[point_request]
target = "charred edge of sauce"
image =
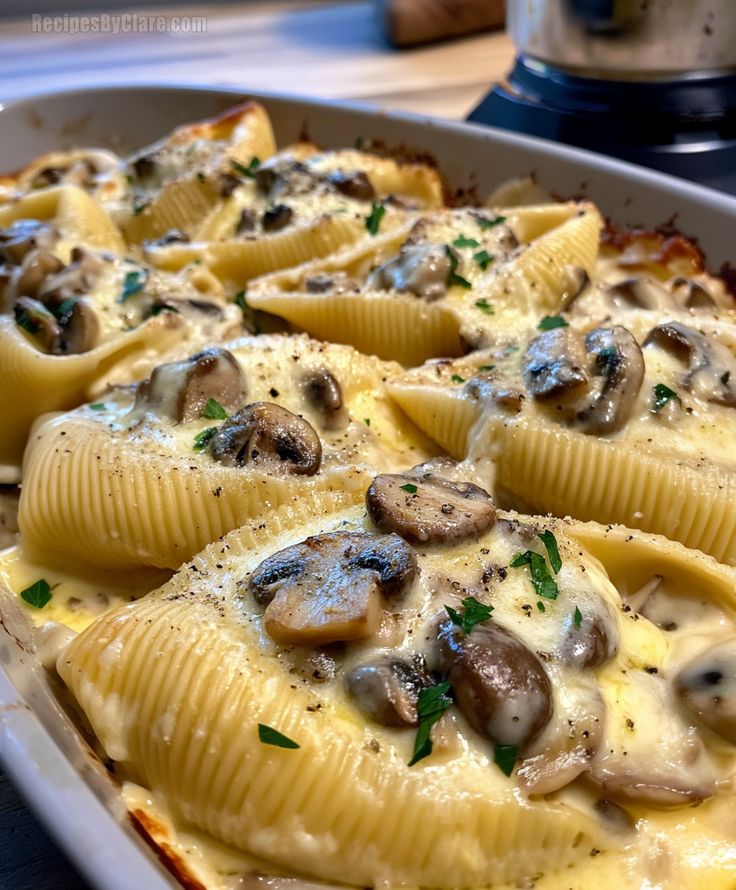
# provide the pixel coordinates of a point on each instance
(146, 827)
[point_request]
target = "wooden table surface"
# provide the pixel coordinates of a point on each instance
(333, 50)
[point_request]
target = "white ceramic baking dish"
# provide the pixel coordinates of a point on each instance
(39, 747)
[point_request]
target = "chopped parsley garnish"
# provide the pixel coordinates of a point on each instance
(201, 440)
(411, 489)
(486, 367)
(249, 170)
(97, 406)
(213, 410)
(577, 617)
(367, 421)
(30, 319)
(373, 220)
(474, 612)
(456, 378)
(38, 594)
(484, 259)
(485, 306)
(504, 756)
(431, 705)
(270, 736)
(553, 554)
(549, 322)
(661, 394)
(541, 606)
(139, 208)
(201, 177)
(462, 241)
(65, 307)
(544, 584)
(490, 223)
(249, 314)
(133, 284)
(452, 277)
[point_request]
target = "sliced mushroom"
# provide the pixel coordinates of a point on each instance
(268, 436)
(620, 365)
(180, 390)
(491, 387)
(283, 175)
(187, 306)
(711, 365)
(35, 318)
(170, 236)
(429, 509)
(331, 587)
(246, 222)
(73, 280)
(386, 690)
(354, 184)
(500, 686)
(707, 688)
(23, 236)
(277, 217)
(144, 165)
(323, 392)
(590, 643)
(334, 283)
(692, 294)
(642, 293)
(554, 364)
(576, 282)
(37, 266)
(80, 328)
(420, 269)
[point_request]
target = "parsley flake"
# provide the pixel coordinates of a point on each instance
(38, 594)
(133, 284)
(373, 220)
(411, 489)
(270, 736)
(248, 170)
(490, 223)
(367, 421)
(504, 756)
(97, 406)
(213, 410)
(541, 606)
(432, 703)
(201, 440)
(453, 278)
(486, 367)
(65, 307)
(577, 617)
(201, 177)
(484, 259)
(485, 306)
(553, 554)
(550, 322)
(462, 241)
(661, 394)
(474, 612)
(456, 378)
(544, 584)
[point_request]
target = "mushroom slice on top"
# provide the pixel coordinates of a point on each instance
(23, 236)
(420, 269)
(711, 365)
(34, 317)
(592, 641)
(387, 690)
(180, 390)
(354, 184)
(331, 587)
(37, 266)
(692, 294)
(500, 686)
(80, 328)
(620, 366)
(491, 387)
(554, 364)
(323, 392)
(429, 509)
(642, 293)
(266, 435)
(707, 688)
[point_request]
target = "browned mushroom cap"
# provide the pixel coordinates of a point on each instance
(429, 509)
(180, 390)
(80, 328)
(23, 236)
(333, 282)
(420, 269)
(354, 184)
(576, 281)
(322, 391)
(500, 686)
(620, 366)
(73, 280)
(711, 365)
(692, 294)
(37, 266)
(554, 364)
(277, 217)
(283, 175)
(35, 318)
(490, 386)
(331, 587)
(707, 688)
(266, 435)
(386, 690)
(592, 642)
(642, 293)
